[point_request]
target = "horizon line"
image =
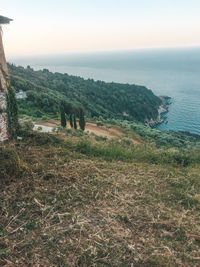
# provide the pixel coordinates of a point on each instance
(102, 51)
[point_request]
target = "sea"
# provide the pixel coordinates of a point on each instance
(173, 72)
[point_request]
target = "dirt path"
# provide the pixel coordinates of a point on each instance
(92, 128)
(103, 130)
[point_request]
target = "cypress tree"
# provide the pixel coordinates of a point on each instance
(75, 125)
(67, 107)
(82, 120)
(12, 112)
(71, 121)
(62, 117)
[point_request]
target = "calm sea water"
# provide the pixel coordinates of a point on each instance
(171, 72)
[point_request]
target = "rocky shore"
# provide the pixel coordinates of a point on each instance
(163, 108)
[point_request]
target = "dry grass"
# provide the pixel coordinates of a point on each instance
(68, 210)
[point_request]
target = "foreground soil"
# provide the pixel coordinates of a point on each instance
(62, 208)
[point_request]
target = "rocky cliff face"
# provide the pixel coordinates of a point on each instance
(3, 90)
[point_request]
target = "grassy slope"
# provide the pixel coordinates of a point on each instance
(75, 203)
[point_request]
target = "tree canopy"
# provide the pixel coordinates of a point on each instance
(45, 91)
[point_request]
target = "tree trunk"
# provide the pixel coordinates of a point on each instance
(3, 90)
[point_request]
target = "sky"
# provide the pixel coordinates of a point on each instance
(61, 26)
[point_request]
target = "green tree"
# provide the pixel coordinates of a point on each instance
(67, 107)
(62, 116)
(82, 119)
(71, 121)
(12, 112)
(75, 124)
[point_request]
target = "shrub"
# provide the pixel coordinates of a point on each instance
(25, 127)
(126, 141)
(100, 123)
(39, 128)
(10, 166)
(100, 138)
(38, 114)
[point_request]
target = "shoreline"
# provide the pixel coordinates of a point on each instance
(163, 109)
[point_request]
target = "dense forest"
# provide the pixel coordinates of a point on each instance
(45, 90)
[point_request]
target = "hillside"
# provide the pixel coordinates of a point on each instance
(117, 194)
(69, 199)
(45, 90)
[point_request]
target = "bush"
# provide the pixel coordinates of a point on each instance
(100, 138)
(10, 166)
(25, 127)
(126, 141)
(100, 123)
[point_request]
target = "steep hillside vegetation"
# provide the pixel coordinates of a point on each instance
(45, 90)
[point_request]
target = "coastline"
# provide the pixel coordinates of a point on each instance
(163, 109)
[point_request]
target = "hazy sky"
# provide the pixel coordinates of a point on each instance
(52, 26)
